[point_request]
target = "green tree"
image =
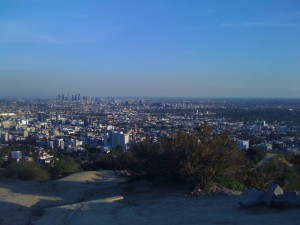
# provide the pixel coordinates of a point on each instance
(277, 170)
(206, 157)
(26, 171)
(201, 159)
(146, 157)
(255, 155)
(65, 165)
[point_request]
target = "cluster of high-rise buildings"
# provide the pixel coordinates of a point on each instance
(73, 97)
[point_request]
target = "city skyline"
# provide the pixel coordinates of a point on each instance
(154, 48)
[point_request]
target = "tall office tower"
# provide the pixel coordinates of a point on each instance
(75, 97)
(63, 97)
(140, 102)
(87, 120)
(62, 144)
(59, 143)
(72, 97)
(123, 139)
(78, 96)
(41, 117)
(114, 139)
(58, 97)
(57, 116)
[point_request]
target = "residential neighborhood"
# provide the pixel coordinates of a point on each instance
(74, 124)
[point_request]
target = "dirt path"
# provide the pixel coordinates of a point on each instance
(19, 200)
(167, 209)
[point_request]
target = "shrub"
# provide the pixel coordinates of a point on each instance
(230, 183)
(198, 159)
(255, 155)
(65, 165)
(278, 170)
(26, 171)
(208, 156)
(295, 160)
(146, 157)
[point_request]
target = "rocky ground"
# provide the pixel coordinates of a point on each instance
(98, 198)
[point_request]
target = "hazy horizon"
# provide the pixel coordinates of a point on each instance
(171, 48)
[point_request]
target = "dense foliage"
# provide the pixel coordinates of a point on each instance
(26, 170)
(255, 155)
(65, 165)
(277, 170)
(202, 159)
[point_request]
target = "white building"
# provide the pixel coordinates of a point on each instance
(59, 143)
(242, 144)
(261, 123)
(114, 138)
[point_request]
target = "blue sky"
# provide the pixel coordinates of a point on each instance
(150, 48)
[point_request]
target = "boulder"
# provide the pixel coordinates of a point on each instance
(251, 197)
(272, 191)
(289, 199)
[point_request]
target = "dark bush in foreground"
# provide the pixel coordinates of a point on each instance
(26, 171)
(255, 155)
(199, 159)
(205, 159)
(278, 170)
(65, 165)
